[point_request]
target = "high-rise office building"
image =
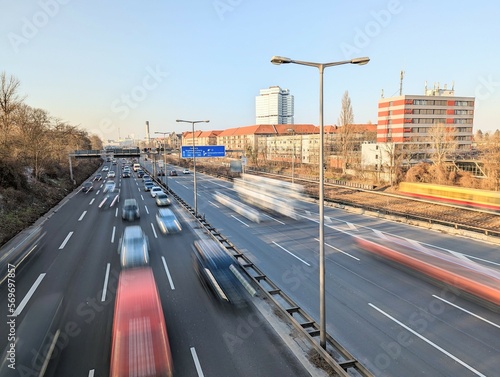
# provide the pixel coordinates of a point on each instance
(274, 106)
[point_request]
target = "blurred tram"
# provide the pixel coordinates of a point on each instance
(270, 194)
(482, 199)
(470, 277)
(140, 344)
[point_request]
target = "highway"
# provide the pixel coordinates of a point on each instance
(393, 321)
(79, 262)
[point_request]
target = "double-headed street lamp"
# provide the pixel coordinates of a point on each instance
(194, 160)
(165, 174)
(321, 66)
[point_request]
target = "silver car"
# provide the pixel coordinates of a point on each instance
(167, 222)
(162, 199)
(133, 247)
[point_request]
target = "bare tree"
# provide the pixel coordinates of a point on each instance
(443, 144)
(9, 101)
(95, 142)
(32, 128)
(345, 135)
(490, 155)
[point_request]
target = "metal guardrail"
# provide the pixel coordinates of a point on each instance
(337, 357)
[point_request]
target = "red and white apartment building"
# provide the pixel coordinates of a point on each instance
(408, 121)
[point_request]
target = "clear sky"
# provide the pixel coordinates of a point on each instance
(110, 66)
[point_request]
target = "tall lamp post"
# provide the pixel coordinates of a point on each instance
(165, 180)
(321, 66)
(194, 160)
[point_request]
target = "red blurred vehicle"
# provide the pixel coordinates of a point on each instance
(470, 277)
(140, 344)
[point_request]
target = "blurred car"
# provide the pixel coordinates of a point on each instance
(155, 190)
(219, 272)
(140, 173)
(161, 172)
(146, 177)
(185, 171)
(126, 174)
(87, 186)
(105, 168)
(109, 187)
(130, 210)
(162, 199)
(173, 173)
(167, 222)
(148, 185)
(98, 177)
(111, 174)
(133, 247)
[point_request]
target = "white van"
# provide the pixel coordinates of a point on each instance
(137, 167)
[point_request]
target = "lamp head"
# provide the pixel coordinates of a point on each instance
(280, 60)
(360, 61)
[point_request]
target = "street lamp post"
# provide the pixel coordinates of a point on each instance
(321, 66)
(165, 180)
(194, 160)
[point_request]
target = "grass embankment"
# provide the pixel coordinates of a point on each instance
(24, 200)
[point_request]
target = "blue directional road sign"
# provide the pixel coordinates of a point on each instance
(203, 151)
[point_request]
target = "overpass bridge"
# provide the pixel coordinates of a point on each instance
(113, 153)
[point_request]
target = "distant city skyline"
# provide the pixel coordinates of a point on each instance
(108, 69)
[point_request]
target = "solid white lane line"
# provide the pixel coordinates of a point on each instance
(466, 311)
(340, 251)
(105, 285)
(428, 341)
(272, 218)
(65, 240)
(482, 260)
(154, 230)
(113, 234)
(240, 220)
(168, 273)
(26, 298)
(197, 362)
(82, 215)
(292, 254)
